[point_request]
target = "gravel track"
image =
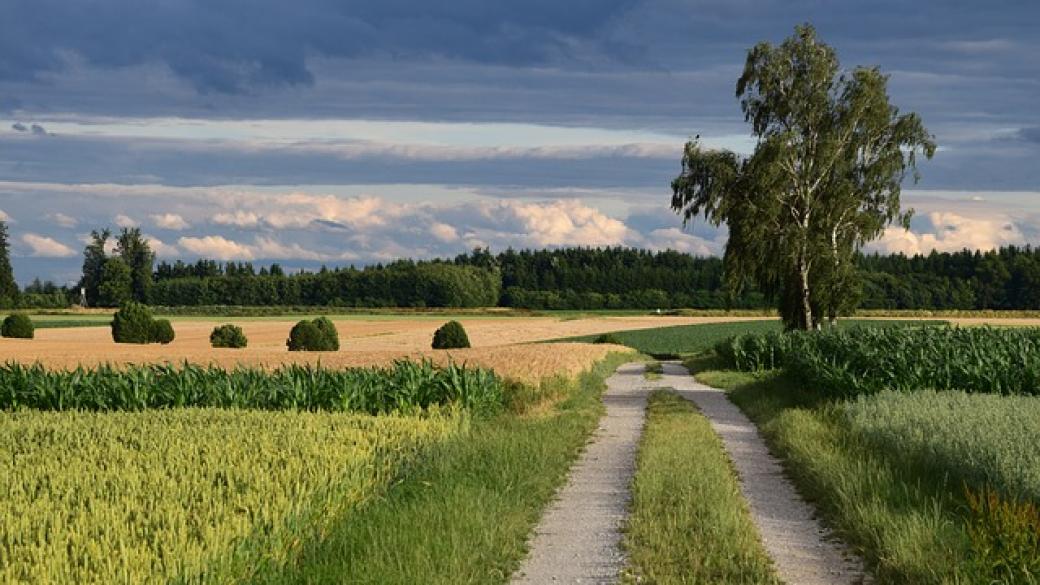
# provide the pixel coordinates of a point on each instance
(803, 552)
(579, 538)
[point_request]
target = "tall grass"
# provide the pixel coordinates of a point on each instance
(187, 495)
(981, 440)
(405, 386)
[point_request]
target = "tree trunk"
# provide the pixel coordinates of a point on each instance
(803, 294)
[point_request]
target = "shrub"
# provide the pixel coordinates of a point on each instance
(609, 338)
(19, 326)
(228, 336)
(451, 335)
(132, 323)
(317, 335)
(162, 331)
(329, 335)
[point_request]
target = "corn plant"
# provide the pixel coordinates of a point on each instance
(405, 386)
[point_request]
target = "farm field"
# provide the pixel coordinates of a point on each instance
(197, 495)
(502, 344)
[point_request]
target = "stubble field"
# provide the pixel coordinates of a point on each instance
(507, 345)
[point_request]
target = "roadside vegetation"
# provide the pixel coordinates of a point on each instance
(463, 514)
(933, 486)
(689, 522)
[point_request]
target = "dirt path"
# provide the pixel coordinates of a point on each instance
(801, 549)
(579, 539)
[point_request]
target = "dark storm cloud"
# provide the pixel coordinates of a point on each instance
(227, 46)
(1029, 134)
(92, 160)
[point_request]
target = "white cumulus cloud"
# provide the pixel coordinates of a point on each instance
(63, 220)
(444, 232)
(170, 221)
(45, 247)
(125, 221)
(237, 219)
(216, 247)
(558, 223)
(162, 249)
(221, 248)
(951, 232)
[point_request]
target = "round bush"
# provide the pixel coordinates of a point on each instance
(330, 337)
(162, 331)
(311, 336)
(451, 335)
(228, 336)
(132, 323)
(19, 326)
(609, 338)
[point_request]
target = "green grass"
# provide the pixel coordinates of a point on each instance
(911, 522)
(56, 321)
(463, 515)
(689, 522)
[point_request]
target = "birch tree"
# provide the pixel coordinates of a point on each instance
(824, 179)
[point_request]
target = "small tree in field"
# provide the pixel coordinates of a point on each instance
(824, 179)
(451, 335)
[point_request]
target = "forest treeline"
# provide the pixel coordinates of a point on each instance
(568, 278)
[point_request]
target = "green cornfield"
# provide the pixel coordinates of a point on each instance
(866, 360)
(188, 495)
(404, 387)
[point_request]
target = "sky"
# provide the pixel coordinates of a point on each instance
(349, 132)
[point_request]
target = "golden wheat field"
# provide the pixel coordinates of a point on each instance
(507, 345)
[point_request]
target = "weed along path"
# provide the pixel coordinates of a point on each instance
(802, 550)
(579, 538)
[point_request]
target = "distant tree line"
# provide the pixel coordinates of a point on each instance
(122, 267)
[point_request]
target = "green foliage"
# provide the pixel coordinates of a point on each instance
(865, 360)
(162, 332)
(329, 334)
(94, 260)
(800, 207)
(983, 359)
(135, 251)
(451, 335)
(116, 284)
(198, 496)
(132, 323)
(228, 335)
(313, 335)
(403, 387)
(8, 287)
(400, 284)
(19, 326)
